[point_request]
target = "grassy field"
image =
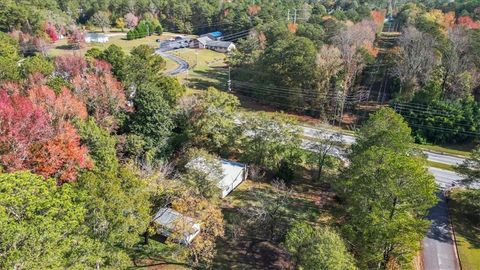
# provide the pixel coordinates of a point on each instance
(456, 150)
(208, 68)
(467, 233)
(61, 46)
(439, 165)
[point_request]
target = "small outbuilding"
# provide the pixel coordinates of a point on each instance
(184, 229)
(221, 46)
(232, 173)
(96, 38)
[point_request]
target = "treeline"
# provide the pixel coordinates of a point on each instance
(311, 66)
(435, 68)
(184, 16)
(316, 66)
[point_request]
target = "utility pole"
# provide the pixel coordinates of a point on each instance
(229, 79)
(390, 9)
(196, 58)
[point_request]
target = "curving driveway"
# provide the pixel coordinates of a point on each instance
(182, 67)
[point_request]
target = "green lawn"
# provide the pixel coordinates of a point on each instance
(61, 46)
(457, 150)
(467, 232)
(440, 165)
(208, 68)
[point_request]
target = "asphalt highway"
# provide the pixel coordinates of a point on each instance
(309, 132)
(438, 251)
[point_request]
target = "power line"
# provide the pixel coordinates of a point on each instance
(288, 90)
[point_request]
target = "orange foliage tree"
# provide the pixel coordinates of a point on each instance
(30, 141)
(292, 27)
(210, 216)
(61, 107)
(378, 18)
(468, 22)
(61, 156)
(253, 10)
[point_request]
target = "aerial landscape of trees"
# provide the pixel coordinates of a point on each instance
(96, 139)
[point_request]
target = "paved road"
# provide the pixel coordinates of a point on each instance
(350, 139)
(445, 178)
(444, 158)
(438, 245)
(182, 64)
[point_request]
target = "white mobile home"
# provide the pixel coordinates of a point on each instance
(184, 229)
(96, 38)
(232, 174)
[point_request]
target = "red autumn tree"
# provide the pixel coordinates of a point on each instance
(69, 66)
(76, 39)
(22, 124)
(61, 156)
(29, 141)
(101, 67)
(10, 87)
(61, 107)
(51, 31)
(103, 95)
(468, 22)
(40, 45)
(131, 20)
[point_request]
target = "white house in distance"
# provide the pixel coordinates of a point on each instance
(212, 42)
(221, 46)
(233, 173)
(185, 229)
(96, 38)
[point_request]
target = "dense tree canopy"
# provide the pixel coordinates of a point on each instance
(210, 120)
(388, 192)
(41, 222)
(317, 248)
(117, 212)
(387, 129)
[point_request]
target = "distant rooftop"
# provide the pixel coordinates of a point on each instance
(216, 34)
(204, 40)
(219, 44)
